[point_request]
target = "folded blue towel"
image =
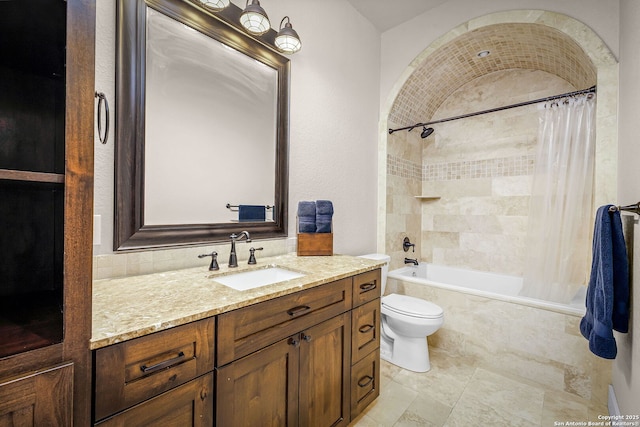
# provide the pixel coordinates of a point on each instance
(324, 215)
(251, 212)
(607, 298)
(306, 217)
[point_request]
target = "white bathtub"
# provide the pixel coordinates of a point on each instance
(489, 285)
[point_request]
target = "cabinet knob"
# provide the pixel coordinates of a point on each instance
(294, 342)
(306, 337)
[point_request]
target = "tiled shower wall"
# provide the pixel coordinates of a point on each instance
(474, 176)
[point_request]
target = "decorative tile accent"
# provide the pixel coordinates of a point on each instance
(449, 171)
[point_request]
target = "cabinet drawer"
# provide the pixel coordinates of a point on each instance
(365, 329)
(243, 331)
(365, 382)
(132, 371)
(366, 287)
(189, 405)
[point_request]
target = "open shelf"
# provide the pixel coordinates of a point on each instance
(30, 321)
(27, 176)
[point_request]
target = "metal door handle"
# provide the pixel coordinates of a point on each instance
(165, 364)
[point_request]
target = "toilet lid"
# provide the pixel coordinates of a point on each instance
(411, 306)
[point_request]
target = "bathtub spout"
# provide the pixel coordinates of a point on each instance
(411, 261)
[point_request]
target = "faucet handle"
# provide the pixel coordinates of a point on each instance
(406, 244)
(214, 260)
(252, 255)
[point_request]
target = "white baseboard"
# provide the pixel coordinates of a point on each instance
(612, 403)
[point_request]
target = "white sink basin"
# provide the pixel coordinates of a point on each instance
(257, 278)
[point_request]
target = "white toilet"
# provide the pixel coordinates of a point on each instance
(406, 323)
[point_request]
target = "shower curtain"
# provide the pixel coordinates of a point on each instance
(560, 212)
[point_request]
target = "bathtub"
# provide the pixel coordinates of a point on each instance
(486, 319)
(489, 285)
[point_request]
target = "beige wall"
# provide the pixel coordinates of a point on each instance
(626, 367)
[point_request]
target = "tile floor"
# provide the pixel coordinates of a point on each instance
(458, 391)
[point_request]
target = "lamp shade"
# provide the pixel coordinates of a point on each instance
(254, 19)
(287, 40)
(215, 5)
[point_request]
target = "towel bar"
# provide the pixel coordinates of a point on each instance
(234, 208)
(629, 208)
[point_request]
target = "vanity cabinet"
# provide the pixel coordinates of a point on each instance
(163, 378)
(300, 380)
(293, 360)
(46, 188)
(365, 346)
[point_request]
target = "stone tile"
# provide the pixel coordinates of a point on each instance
(424, 411)
(446, 380)
(508, 398)
(561, 406)
(393, 401)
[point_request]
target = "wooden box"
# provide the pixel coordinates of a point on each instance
(315, 244)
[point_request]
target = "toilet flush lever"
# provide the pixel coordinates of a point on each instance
(406, 244)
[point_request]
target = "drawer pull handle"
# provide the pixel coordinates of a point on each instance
(365, 381)
(167, 363)
(365, 328)
(366, 287)
(298, 310)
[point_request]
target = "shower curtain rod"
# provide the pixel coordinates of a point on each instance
(592, 89)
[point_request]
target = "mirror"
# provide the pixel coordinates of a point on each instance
(201, 123)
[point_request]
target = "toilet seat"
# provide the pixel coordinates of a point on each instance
(410, 306)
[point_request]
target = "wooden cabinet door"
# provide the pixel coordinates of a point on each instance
(325, 352)
(40, 399)
(260, 389)
(190, 404)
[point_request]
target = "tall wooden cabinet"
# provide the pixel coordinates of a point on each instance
(46, 188)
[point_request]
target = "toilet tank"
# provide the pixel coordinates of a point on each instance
(385, 267)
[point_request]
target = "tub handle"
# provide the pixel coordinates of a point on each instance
(365, 381)
(365, 328)
(366, 287)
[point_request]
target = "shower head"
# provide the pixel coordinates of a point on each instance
(426, 132)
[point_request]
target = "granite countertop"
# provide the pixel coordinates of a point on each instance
(130, 307)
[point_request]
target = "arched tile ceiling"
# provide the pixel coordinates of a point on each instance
(512, 46)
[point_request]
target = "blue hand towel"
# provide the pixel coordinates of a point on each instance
(324, 215)
(251, 213)
(608, 291)
(306, 217)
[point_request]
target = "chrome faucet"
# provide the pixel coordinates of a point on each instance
(411, 261)
(233, 259)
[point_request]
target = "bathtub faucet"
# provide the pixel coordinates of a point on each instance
(411, 261)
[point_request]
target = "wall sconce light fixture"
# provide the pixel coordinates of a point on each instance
(287, 40)
(215, 5)
(256, 22)
(254, 19)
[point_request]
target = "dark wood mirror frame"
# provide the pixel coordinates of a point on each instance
(130, 233)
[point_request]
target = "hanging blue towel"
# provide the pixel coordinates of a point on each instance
(324, 215)
(607, 298)
(306, 217)
(251, 213)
